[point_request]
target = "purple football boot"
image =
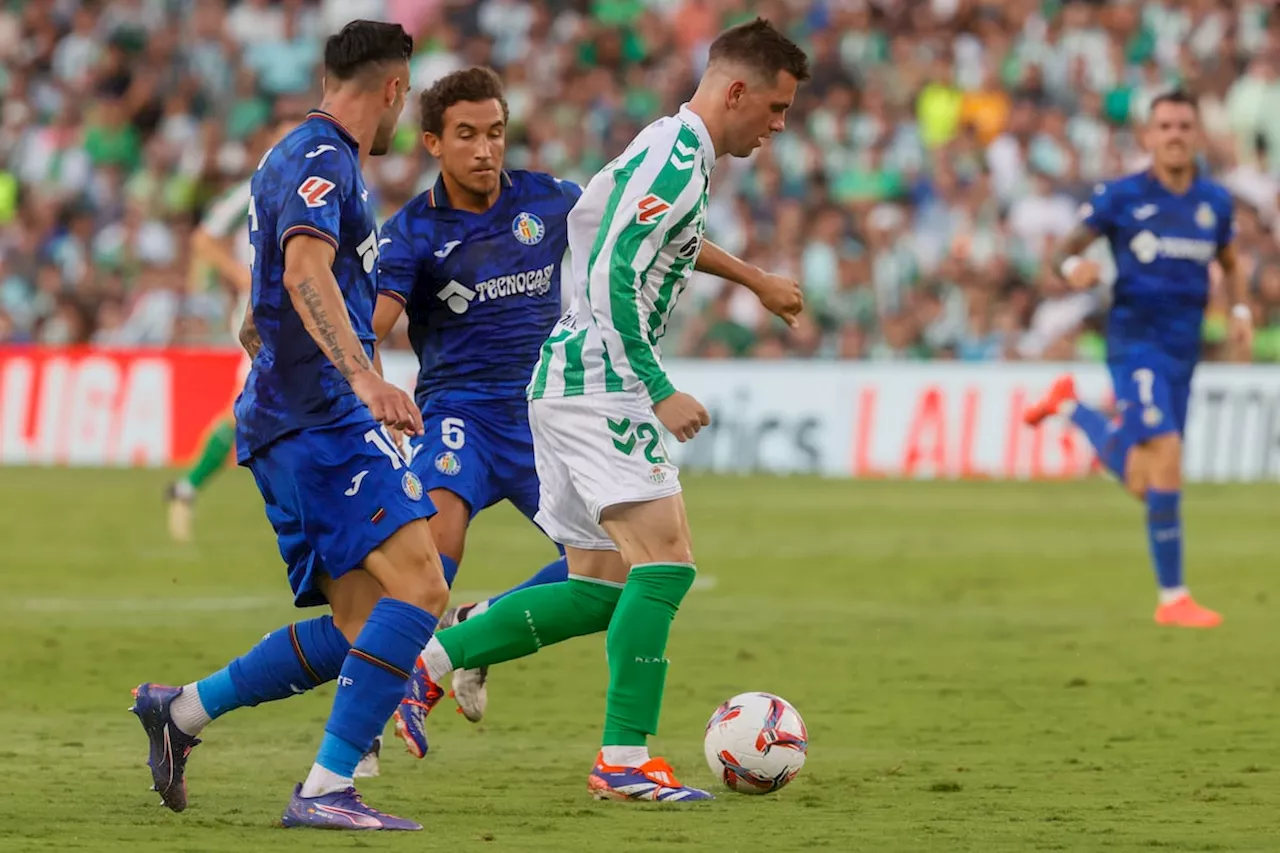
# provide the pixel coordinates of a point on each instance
(170, 746)
(339, 810)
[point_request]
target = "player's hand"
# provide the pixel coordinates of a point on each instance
(782, 296)
(400, 441)
(1085, 275)
(388, 404)
(682, 415)
(1240, 335)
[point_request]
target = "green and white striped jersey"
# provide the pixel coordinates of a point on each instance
(633, 239)
(228, 216)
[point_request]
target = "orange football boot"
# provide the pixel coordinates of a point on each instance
(1185, 613)
(1062, 390)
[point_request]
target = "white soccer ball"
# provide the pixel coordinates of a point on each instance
(756, 743)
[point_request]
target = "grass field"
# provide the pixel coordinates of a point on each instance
(976, 664)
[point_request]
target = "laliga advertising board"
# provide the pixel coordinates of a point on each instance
(852, 419)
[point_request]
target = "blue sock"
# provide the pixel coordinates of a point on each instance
(553, 572)
(291, 660)
(1105, 439)
(372, 680)
(1164, 532)
(450, 569)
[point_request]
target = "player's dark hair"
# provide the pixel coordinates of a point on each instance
(470, 84)
(759, 44)
(363, 44)
(1176, 96)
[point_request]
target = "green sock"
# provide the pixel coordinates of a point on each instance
(637, 649)
(526, 620)
(214, 453)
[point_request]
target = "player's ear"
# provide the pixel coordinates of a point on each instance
(734, 94)
(432, 143)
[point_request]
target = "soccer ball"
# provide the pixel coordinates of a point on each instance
(756, 743)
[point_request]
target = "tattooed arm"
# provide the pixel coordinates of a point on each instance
(309, 280)
(308, 277)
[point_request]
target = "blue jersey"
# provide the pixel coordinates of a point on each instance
(481, 291)
(1162, 244)
(309, 183)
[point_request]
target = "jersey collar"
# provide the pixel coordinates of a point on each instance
(342, 128)
(438, 196)
(698, 126)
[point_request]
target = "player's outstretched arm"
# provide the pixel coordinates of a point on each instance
(780, 295)
(308, 278)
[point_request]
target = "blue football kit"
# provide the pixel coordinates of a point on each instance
(481, 293)
(1162, 244)
(334, 485)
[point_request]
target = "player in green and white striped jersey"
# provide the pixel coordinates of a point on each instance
(609, 493)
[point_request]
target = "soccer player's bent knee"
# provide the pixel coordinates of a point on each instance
(658, 546)
(1165, 463)
(420, 584)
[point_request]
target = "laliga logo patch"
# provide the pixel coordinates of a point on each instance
(528, 228)
(412, 486)
(447, 463)
(1151, 416)
(1205, 217)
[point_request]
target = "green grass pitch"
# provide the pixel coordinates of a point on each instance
(976, 664)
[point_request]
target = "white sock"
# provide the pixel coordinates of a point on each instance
(478, 608)
(188, 711)
(625, 756)
(321, 781)
(1173, 593)
(184, 490)
(437, 660)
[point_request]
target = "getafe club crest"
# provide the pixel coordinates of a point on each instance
(447, 463)
(412, 486)
(528, 228)
(1205, 217)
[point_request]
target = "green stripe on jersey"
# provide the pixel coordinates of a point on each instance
(539, 386)
(573, 370)
(612, 381)
(662, 305)
(621, 177)
(625, 279)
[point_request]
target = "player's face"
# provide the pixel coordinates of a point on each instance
(758, 110)
(1172, 134)
(394, 93)
(472, 146)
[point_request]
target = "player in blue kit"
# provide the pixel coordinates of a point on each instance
(475, 262)
(349, 514)
(1164, 226)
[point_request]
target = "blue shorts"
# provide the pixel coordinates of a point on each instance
(481, 450)
(334, 493)
(1151, 396)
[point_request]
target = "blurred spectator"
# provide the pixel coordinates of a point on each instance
(938, 152)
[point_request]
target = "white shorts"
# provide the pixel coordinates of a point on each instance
(592, 453)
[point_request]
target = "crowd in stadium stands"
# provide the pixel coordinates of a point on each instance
(940, 148)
